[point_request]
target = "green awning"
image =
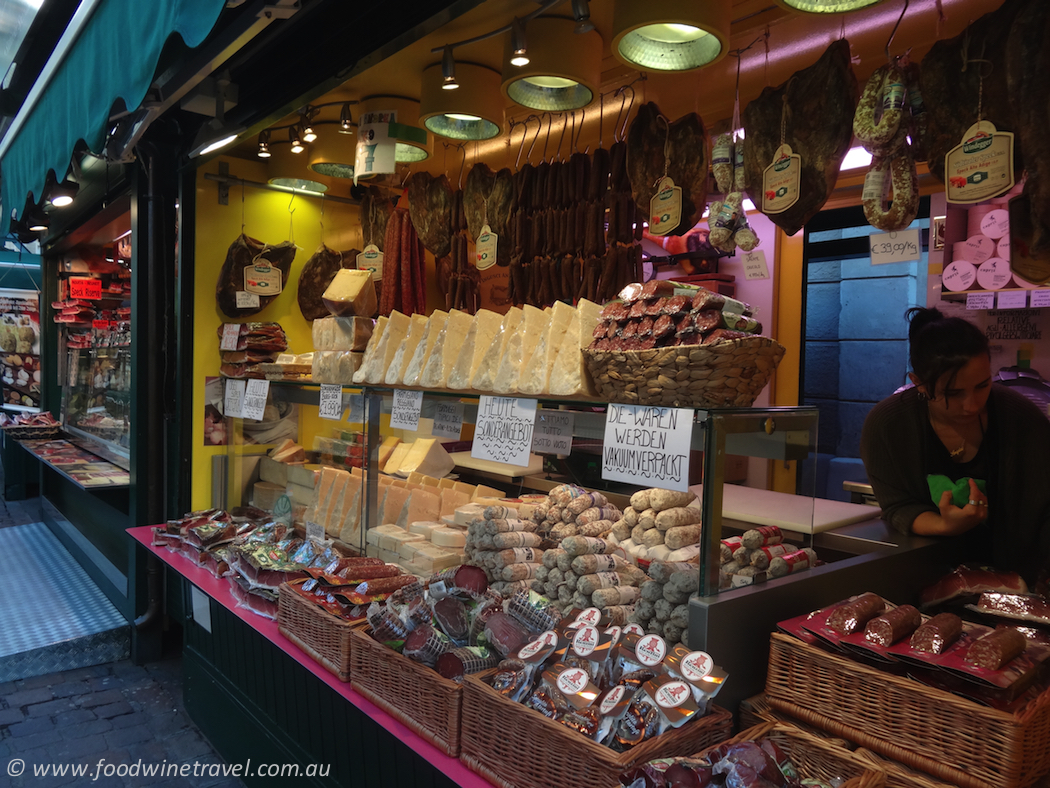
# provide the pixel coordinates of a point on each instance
(115, 56)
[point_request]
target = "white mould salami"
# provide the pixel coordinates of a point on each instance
(585, 545)
(722, 162)
(880, 109)
(591, 563)
(897, 175)
(667, 499)
(678, 515)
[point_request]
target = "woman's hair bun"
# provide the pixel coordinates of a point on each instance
(919, 317)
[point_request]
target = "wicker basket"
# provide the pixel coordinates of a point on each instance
(897, 774)
(32, 432)
(514, 746)
(756, 711)
(323, 636)
(815, 758)
(934, 731)
(410, 692)
(720, 375)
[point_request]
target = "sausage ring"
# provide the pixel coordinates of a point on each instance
(904, 182)
(884, 92)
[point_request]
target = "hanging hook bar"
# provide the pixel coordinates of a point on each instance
(894, 31)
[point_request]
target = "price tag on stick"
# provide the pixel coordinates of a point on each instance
(448, 420)
(331, 405)
(404, 414)
(504, 430)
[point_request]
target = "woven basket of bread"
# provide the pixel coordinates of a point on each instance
(727, 374)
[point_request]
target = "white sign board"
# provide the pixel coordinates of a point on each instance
(255, 392)
(404, 413)
(1013, 299)
(331, 405)
(647, 446)
(231, 332)
(980, 300)
(755, 265)
(448, 420)
(553, 432)
(504, 430)
(1040, 298)
(899, 247)
(233, 400)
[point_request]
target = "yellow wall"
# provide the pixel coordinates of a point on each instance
(790, 335)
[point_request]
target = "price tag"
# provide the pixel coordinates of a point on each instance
(314, 531)
(404, 414)
(647, 446)
(504, 430)
(980, 300)
(247, 300)
(780, 181)
(231, 332)
(552, 433)
(899, 247)
(982, 166)
(233, 399)
(1013, 299)
(262, 278)
(255, 392)
(85, 287)
(485, 248)
(371, 259)
(448, 420)
(755, 265)
(1040, 298)
(101, 325)
(331, 406)
(665, 208)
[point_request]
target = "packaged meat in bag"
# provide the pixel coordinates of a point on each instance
(504, 634)
(255, 268)
(425, 644)
(458, 662)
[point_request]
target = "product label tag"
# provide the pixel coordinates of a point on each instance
(665, 208)
(371, 259)
(485, 248)
(981, 166)
(231, 332)
(650, 650)
(781, 180)
(314, 531)
(262, 278)
(958, 276)
(331, 404)
(404, 413)
(247, 300)
(86, 288)
(233, 399)
(255, 393)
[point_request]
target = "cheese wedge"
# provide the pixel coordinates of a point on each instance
(535, 376)
(479, 336)
(435, 325)
(446, 350)
(351, 293)
(342, 333)
(321, 495)
(393, 502)
(519, 349)
(448, 537)
(326, 513)
(386, 448)
(467, 514)
(452, 500)
(463, 487)
(394, 334)
(445, 483)
(430, 481)
(569, 376)
(482, 491)
(403, 354)
(423, 528)
(377, 532)
(371, 349)
(350, 531)
(427, 456)
(485, 376)
(422, 506)
(399, 483)
(400, 453)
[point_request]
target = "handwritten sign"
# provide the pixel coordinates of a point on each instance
(314, 531)
(980, 300)
(755, 265)
(255, 392)
(233, 399)
(552, 433)
(247, 300)
(404, 414)
(85, 287)
(231, 332)
(647, 446)
(1013, 299)
(331, 404)
(1040, 298)
(448, 420)
(899, 247)
(504, 430)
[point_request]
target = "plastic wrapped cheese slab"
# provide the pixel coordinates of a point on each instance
(351, 293)
(448, 537)
(465, 515)
(335, 366)
(342, 333)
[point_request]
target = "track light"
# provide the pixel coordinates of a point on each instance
(309, 135)
(36, 221)
(59, 195)
(346, 120)
(581, 12)
(519, 55)
(294, 139)
(264, 145)
(448, 70)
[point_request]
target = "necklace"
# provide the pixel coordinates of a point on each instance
(957, 452)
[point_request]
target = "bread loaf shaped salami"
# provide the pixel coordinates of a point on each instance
(995, 649)
(852, 616)
(894, 625)
(937, 633)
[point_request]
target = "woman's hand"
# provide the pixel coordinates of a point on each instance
(952, 519)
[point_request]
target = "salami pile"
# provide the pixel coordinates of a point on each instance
(404, 268)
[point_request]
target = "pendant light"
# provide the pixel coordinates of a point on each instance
(676, 35)
(473, 112)
(264, 144)
(564, 68)
(332, 156)
(413, 144)
(826, 6)
(287, 170)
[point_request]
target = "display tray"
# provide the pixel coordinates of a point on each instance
(464, 460)
(81, 467)
(517, 747)
(790, 512)
(937, 732)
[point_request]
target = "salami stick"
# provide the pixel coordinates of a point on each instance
(421, 276)
(391, 244)
(407, 289)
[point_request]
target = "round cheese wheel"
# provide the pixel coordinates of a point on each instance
(996, 224)
(1002, 249)
(958, 275)
(993, 274)
(979, 248)
(448, 537)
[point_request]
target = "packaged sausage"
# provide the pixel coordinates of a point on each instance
(534, 611)
(699, 671)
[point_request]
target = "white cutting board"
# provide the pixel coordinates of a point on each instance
(464, 460)
(790, 512)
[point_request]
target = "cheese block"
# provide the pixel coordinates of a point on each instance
(398, 541)
(484, 491)
(422, 506)
(335, 366)
(394, 334)
(535, 376)
(426, 456)
(396, 458)
(479, 336)
(385, 481)
(393, 502)
(415, 478)
(386, 448)
(301, 494)
(319, 499)
(448, 537)
(449, 521)
(403, 354)
(358, 472)
(350, 529)
(391, 539)
(376, 533)
(398, 482)
(435, 325)
(520, 349)
(265, 494)
(271, 470)
(446, 350)
(342, 333)
(452, 500)
(351, 293)
(372, 550)
(428, 559)
(431, 481)
(446, 483)
(569, 376)
(465, 515)
(424, 528)
(326, 512)
(483, 502)
(304, 475)
(485, 376)
(372, 348)
(409, 545)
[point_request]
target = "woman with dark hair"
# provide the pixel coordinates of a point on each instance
(957, 454)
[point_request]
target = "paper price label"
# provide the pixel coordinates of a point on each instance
(485, 248)
(231, 332)
(665, 208)
(233, 399)
(504, 430)
(980, 300)
(331, 404)
(404, 414)
(101, 325)
(247, 300)
(371, 259)
(981, 166)
(552, 433)
(755, 265)
(647, 446)
(85, 287)
(448, 420)
(781, 180)
(262, 278)
(899, 247)
(314, 531)
(1040, 298)
(255, 393)
(1013, 299)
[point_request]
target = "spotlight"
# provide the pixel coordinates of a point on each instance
(346, 120)
(581, 12)
(309, 135)
(293, 138)
(519, 55)
(264, 145)
(448, 70)
(59, 194)
(36, 221)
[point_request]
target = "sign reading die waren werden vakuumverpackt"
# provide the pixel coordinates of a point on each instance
(647, 446)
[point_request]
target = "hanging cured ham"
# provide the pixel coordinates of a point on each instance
(242, 255)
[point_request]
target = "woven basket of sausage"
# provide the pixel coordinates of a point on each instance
(897, 774)
(32, 432)
(408, 691)
(814, 758)
(727, 374)
(514, 746)
(325, 637)
(931, 730)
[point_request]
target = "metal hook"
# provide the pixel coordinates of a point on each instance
(521, 145)
(539, 128)
(601, 120)
(627, 117)
(579, 134)
(894, 31)
(561, 139)
(462, 164)
(550, 119)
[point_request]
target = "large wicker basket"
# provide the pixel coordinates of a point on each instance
(815, 758)
(514, 746)
(726, 374)
(944, 735)
(323, 636)
(410, 692)
(35, 432)
(897, 774)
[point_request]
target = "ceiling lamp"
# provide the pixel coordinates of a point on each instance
(519, 48)
(59, 195)
(448, 70)
(309, 135)
(36, 221)
(264, 145)
(678, 35)
(564, 68)
(346, 120)
(581, 12)
(412, 141)
(289, 172)
(826, 6)
(332, 156)
(474, 112)
(295, 140)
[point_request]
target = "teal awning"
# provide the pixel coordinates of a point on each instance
(115, 56)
